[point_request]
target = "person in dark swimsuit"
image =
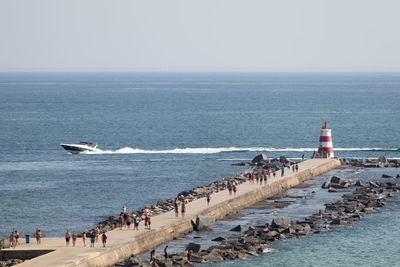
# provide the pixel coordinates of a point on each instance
(67, 237)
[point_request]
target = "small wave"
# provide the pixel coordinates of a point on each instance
(208, 150)
(268, 250)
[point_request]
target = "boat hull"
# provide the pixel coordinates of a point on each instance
(75, 149)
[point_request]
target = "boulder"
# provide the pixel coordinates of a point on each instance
(214, 256)
(193, 247)
(260, 158)
(383, 160)
(333, 190)
(218, 239)
(359, 183)
(386, 176)
(281, 222)
(238, 228)
(205, 223)
(368, 210)
(325, 185)
(339, 221)
(283, 159)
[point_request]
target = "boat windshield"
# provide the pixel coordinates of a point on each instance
(88, 144)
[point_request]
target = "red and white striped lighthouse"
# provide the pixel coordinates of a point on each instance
(325, 149)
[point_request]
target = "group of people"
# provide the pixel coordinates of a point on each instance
(183, 207)
(94, 238)
(262, 177)
(14, 238)
(125, 220)
(294, 167)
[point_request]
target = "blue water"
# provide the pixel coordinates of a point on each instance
(165, 133)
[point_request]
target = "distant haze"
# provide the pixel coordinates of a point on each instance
(203, 35)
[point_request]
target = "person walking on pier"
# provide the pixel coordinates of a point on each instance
(38, 237)
(125, 216)
(84, 239)
(74, 237)
(128, 222)
(297, 167)
(104, 239)
(17, 237)
(302, 158)
(183, 208)
(96, 234)
(67, 238)
(120, 221)
(234, 187)
(229, 186)
(293, 167)
(92, 239)
(147, 222)
(176, 207)
(136, 222)
(208, 199)
(274, 173)
(283, 170)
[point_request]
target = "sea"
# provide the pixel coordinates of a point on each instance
(163, 133)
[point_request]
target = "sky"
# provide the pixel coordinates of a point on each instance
(203, 35)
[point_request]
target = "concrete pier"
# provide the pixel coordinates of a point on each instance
(121, 244)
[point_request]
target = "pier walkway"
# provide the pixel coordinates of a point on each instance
(122, 243)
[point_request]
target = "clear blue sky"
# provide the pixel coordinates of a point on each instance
(203, 35)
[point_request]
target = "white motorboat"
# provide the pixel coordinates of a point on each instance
(81, 147)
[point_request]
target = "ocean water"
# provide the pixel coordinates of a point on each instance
(163, 133)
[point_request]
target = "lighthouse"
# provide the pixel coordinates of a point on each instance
(325, 149)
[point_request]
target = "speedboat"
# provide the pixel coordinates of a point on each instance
(81, 147)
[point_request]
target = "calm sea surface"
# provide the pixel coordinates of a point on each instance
(165, 133)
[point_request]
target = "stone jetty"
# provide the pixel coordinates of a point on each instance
(121, 244)
(363, 200)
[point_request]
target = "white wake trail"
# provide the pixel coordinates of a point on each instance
(210, 150)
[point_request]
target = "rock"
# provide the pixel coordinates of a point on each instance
(386, 176)
(281, 222)
(383, 159)
(197, 259)
(194, 247)
(133, 261)
(339, 221)
(368, 210)
(205, 223)
(183, 193)
(214, 256)
(398, 176)
(325, 185)
(238, 228)
(283, 159)
(336, 180)
(359, 183)
(272, 234)
(260, 158)
(331, 190)
(218, 239)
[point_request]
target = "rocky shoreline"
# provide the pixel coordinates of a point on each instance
(381, 162)
(366, 198)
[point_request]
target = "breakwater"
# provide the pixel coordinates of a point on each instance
(122, 244)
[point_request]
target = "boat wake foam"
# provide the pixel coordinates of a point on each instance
(207, 150)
